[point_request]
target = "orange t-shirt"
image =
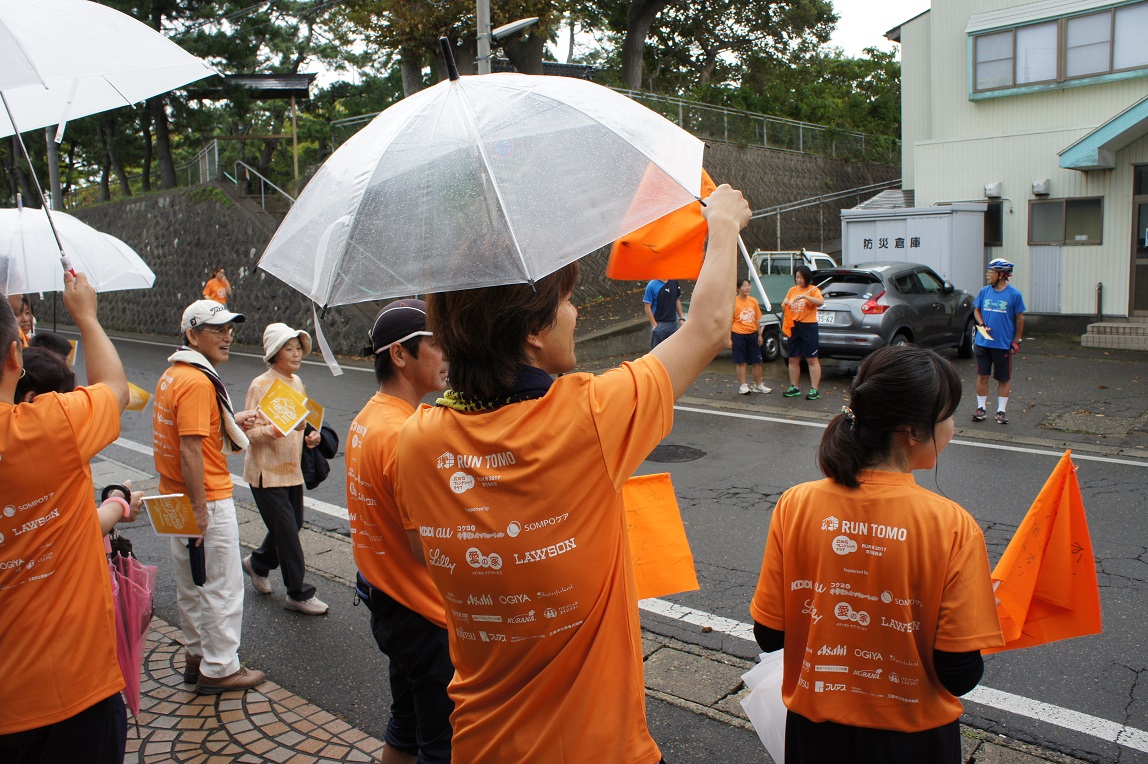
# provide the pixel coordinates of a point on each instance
(523, 529)
(746, 314)
(802, 311)
(216, 289)
(379, 541)
(866, 583)
(57, 624)
(185, 404)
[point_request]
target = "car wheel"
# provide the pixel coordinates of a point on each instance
(965, 348)
(771, 345)
(900, 339)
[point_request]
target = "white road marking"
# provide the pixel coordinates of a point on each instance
(1076, 455)
(1121, 734)
(172, 346)
(334, 510)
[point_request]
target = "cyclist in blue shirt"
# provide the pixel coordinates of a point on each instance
(999, 313)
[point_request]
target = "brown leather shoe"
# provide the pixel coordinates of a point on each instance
(191, 667)
(242, 680)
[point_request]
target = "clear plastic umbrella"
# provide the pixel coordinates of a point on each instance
(30, 257)
(480, 181)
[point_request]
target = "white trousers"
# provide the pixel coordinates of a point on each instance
(212, 615)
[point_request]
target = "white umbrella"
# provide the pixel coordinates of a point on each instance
(30, 262)
(479, 181)
(64, 59)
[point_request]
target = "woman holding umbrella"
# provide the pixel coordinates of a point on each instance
(511, 488)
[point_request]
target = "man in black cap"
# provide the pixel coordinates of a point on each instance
(408, 619)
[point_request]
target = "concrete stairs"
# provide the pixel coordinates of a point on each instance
(1123, 334)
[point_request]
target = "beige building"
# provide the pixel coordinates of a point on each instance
(1039, 110)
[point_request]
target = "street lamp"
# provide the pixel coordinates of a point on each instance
(482, 14)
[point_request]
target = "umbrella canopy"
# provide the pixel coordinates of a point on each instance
(30, 259)
(132, 586)
(480, 181)
(64, 59)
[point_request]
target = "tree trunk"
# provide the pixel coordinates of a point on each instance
(525, 52)
(167, 177)
(23, 181)
(145, 165)
(411, 61)
(54, 192)
(107, 133)
(639, 18)
(105, 172)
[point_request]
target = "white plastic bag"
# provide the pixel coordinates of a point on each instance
(764, 706)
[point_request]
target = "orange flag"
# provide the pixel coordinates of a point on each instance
(671, 247)
(1046, 580)
(663, 563)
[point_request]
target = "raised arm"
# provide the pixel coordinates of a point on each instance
(101, 361)
(687, 352)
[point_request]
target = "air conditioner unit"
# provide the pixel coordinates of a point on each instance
(1041, 187)
(993, 190)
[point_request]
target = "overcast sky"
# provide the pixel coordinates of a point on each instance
(863, 23)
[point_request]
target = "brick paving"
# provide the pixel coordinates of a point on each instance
(267, 724)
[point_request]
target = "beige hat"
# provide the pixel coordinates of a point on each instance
(275, 336)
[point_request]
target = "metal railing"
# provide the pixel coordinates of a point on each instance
(247, 178)
(820, 202)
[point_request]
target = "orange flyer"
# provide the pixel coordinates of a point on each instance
(314, 414)
(171, 515)
(663, 563)
(284, 407)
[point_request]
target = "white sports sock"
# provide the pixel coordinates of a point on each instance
(1002, 404)
(982, 400)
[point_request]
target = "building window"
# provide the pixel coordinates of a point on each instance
(994, 225)
(1050, 52)
(1065, 221)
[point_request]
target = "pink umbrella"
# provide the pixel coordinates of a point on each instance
(132, 587)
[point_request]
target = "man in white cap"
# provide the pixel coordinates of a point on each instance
(194, 429)
(408, 619)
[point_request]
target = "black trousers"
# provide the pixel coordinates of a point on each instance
(96, 735)
(282, 512)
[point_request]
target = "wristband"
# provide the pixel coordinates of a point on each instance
(118, 500)
(115, 487)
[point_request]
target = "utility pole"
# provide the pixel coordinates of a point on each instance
(482, 14)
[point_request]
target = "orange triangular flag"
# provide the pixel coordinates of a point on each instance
(659, 550)
(1046, 579)
(671, 247)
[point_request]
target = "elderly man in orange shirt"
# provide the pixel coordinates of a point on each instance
(64, 703)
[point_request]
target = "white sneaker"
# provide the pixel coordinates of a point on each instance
(260, 583)
(744, 390)
(761, 388)
(310, 606)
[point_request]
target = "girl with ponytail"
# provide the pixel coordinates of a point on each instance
(878, 589)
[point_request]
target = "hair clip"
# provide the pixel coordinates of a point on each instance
(848, 412)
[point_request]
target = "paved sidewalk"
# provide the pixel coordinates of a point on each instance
(272, 724)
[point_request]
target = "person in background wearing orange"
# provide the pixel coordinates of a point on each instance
(271, 468)
(746, 339)
(56, 601)
(510, 490)
(218, 288)
(878, 589)
(25, 318)
(408, 619)
(193, 430)
(801, 303)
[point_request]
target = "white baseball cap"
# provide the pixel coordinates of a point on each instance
(211, 312)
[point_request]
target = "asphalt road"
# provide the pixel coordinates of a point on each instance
(733, 471)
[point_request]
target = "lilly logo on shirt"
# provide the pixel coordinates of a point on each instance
(460, 482)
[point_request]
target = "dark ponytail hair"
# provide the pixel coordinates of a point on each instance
(896, 388)
(805, 272)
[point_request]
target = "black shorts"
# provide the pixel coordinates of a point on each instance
(995, 360)
(803, 340)
(746, 348)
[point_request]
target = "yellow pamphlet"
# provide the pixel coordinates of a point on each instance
(137, 398)
(285, 407)
(72, 353)
(663, 563)
(314, 414)
(171, 515)
(984, 331)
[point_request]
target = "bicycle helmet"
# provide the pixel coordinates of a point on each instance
(1003, 266)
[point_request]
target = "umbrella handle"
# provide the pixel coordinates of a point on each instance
(448, 54)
